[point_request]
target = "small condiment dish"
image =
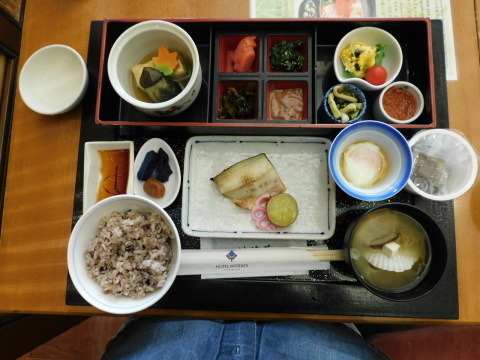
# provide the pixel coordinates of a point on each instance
(92, 168)
(371, 36)
(358, 94)
(445, 165)
(387, 141)
(172, 186)
(53, 80)
(390, 96)
(87, 227)
(140, 40)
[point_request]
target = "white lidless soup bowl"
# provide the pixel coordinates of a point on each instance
(392, 62)
(53, 80)
(140, 40)
(87, 227)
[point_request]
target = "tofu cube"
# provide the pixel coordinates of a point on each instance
(390, 249)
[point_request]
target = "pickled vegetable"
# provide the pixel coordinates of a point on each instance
(238, 103)
(155, 165)
(114, 173)
(244, 54)
(155, 188)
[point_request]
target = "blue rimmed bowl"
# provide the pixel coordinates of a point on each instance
(326, 112)
(396, 152)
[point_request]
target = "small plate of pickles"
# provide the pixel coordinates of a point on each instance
(157, 173)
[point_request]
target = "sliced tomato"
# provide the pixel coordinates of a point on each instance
(376, 75)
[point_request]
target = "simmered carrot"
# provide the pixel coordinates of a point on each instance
(244, 55)
(166, 61)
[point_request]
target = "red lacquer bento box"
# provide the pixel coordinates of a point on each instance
(216, 39)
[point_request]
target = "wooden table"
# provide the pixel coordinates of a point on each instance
(43, 159)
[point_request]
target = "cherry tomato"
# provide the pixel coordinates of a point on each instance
(376, 75)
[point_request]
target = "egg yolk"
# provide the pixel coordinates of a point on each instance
(363, 164)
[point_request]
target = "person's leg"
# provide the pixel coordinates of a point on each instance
(313, 340)
(156, 338)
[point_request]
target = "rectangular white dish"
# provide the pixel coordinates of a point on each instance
(92, 168)
(302, 164)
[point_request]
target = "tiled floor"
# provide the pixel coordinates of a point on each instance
(86, 341)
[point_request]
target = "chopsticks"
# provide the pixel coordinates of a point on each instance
(328, 255)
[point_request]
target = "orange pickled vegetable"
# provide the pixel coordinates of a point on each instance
(114, 173)
(166, 61)
(244, 54)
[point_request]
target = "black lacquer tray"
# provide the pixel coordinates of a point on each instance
(329, 292)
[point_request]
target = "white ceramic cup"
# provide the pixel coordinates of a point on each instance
(137, 42)
(445, 165)
(53, 80)
(379, 112)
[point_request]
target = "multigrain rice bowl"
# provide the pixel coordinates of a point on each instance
(131, 255)
(124, 254)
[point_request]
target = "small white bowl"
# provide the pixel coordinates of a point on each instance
(92, 166)
(172, 186)
(86, 228)
(395, 148)
(53, 80)
(379, 112)
(137, 42)
(372, 36)
(445, 165)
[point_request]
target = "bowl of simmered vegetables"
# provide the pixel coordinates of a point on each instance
(154, 66)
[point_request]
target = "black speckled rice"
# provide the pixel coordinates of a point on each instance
(131, 255)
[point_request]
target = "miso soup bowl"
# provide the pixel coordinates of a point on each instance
(435, 265)
(142, 39)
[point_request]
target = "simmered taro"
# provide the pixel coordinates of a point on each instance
(161, 76)
(286, 56)
(238, 103)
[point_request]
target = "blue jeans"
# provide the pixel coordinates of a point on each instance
(154, 338)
